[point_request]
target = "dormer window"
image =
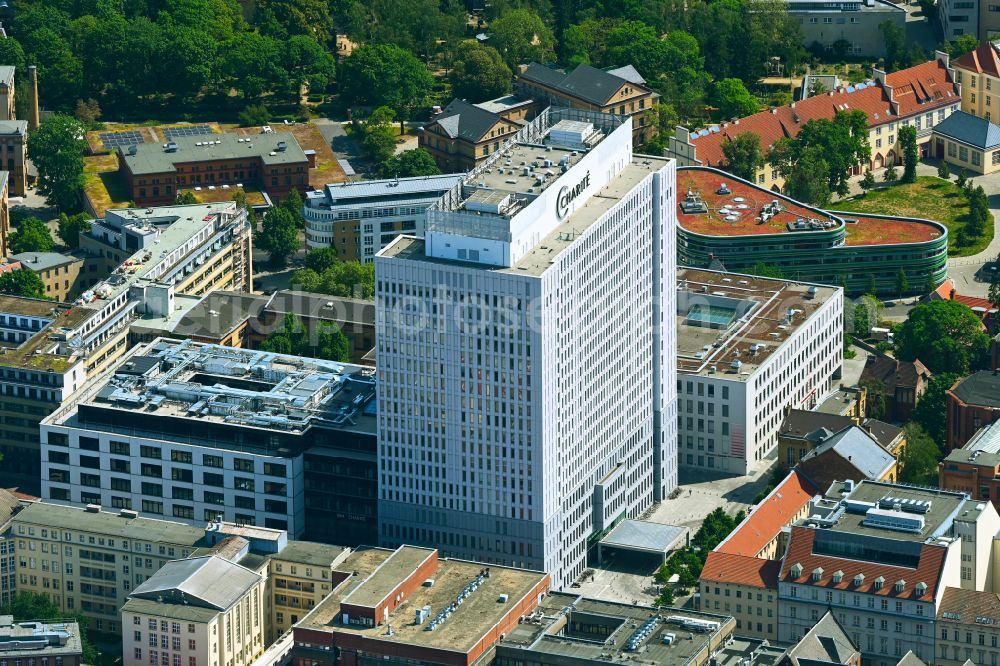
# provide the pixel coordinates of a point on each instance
(796, 570)
(900, 586)
(838, 576)
(859, 580)
(817, 574)
(921, 588)
(879, 582)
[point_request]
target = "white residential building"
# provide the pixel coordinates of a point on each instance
(526, 386)
(749, 348)
(201, 611)
(358, 219)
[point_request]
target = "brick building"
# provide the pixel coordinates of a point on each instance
(154, 173)
(975, 468)
(903, 381)
(849, 454)
(407, 605)
(973, 402)
(802, 430)
(463, 135)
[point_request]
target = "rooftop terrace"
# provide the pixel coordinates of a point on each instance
(465, 627)
(743, 209)
(729, 324)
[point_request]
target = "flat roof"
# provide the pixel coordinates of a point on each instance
(50, 348)
(505, 103)
(982, 450)
(109, 524)
(400, 566)
(943, 507)
(535, 262)
(29, 307)
(729, 324)
(219, 313)
(31, 639)
(40, 261)
(150, 158)
(227, 385)
(552, 633)
(337, 194)
(467, 625)
(645, 536)
(308, 552)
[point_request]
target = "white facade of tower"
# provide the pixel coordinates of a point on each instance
(521, 393)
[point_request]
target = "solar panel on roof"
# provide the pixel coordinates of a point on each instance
(861, 86)
(851, 89)
(713, 128)
(186, 130)
(113, 140)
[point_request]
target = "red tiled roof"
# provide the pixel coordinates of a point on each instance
(944, 293)
(777, 510)
(916, 90)
(800, 547)
(983, 60)
(752, 571)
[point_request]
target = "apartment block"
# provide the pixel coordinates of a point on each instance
(746, 588)
(748, 349)
(978, 73)
(409, 604)
(357, 219)
(300, 576)
(10, 504)
(201, 610)
(498, 439)
(87, 560)
(973, 403)
(850, 27)
(968, 627)
(63, 275)
(975, 468)
(879, 556)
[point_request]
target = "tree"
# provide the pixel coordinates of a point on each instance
(71, 226)
(875, 400)
(385, 75)
(321, 258)
(321, 340)
(22, 282)
(252, 64)
(733, 99)
(962, 178)
(278, 236)
(56, 150)
(479, 73)
(911, 155)
(894, 38)
(521, 37)
(890, 174)
(919, 460)
(744, 156)
(32, 235)
(761, 269)
(931, 411)
(902, 282)
(379, 141)
(946, 336)
(342, 278)
(961, 45)
(185, 198)
(409, 163)
(867, 312)
(28, 606)
(254, 115)
(943, 171)
(308, 64)
(868, 181)
(807, 179)
(87, 112)
(994, 292)
(872, 288)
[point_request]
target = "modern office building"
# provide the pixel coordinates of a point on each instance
(740, 224)
(150, 255)
(358, 219)
(195, 432)
(200, 610)
(40, 642)
(879, 556)
(920, 96)
(847, 27)
(407, 604)
(154, 174)
(499, 437)
(748, 349)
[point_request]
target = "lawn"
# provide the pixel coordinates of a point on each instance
(102, 185)
(929, 198)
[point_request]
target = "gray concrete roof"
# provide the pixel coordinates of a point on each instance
(153, 158)
(6, 74)
(644, 536)
(969, 129)
(209, 581)
(307, 552)
(858, 448)
(41, 261)
(109, 524)
(14, 127)
(980, 388)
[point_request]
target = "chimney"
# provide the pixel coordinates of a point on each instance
(33, 120)
(951, 295)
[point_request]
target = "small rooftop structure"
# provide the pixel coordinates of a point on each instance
(272, 148)
(33, 639)
(642, 536)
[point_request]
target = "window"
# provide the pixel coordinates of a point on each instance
(181, 457)
(210, 479)
(150, 452)
(183, 475)
(243, 502)
(963, 153)
(90, 444)
(155, 471)
(274, 469)
(214, 498)
(121, 448)
(243, 465)
(150, 506)
(952, 149)
(211, 461)
(182, 511)
(152, 489)
(243, 483)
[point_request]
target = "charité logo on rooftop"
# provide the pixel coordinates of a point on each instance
(567, 194)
